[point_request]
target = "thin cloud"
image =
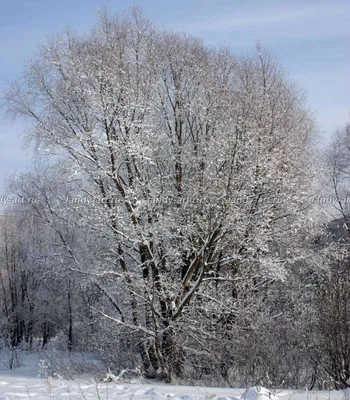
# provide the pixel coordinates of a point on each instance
(307, 16)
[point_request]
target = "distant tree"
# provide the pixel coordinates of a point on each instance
(338, 172)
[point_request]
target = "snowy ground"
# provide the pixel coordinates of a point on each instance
(24, 383)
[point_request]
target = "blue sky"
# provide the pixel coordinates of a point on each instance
(310, 38)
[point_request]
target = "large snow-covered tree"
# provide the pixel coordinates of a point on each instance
(201, 162)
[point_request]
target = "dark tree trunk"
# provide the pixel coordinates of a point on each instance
(173, 354)
(45, 335)
(70, 320)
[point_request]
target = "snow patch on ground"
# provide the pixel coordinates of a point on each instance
(25, 383)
